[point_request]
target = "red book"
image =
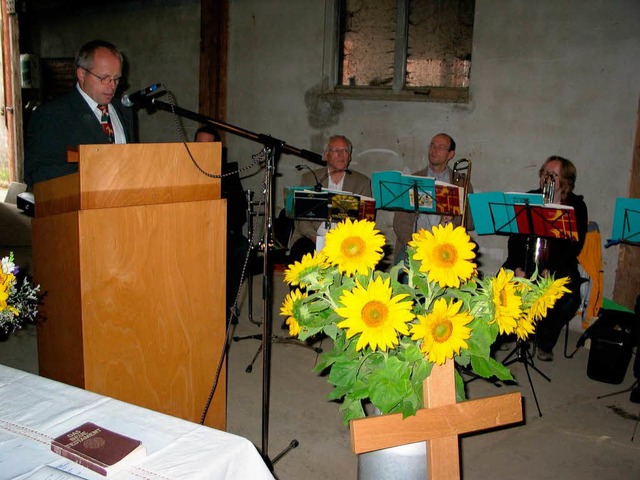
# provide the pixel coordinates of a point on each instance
(99, 449)
(367, 209)
(549, 221)
(448, 199)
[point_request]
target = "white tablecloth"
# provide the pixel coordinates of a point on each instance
(33, 410)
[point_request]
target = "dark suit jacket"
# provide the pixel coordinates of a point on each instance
(354, 182)
(62, 123)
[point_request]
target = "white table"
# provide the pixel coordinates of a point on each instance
(33, 410)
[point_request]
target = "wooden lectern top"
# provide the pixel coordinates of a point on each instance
(132, 174)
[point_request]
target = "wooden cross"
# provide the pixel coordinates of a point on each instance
(440, 422)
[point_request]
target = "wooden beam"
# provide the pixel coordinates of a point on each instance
(214, 40)
(627, 285)
(440, 422)
(374, 433)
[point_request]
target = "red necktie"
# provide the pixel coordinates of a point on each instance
(105, 122)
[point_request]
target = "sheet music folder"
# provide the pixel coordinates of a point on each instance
(305, 203)
(394, 190)
(521, 213)
(626, 222)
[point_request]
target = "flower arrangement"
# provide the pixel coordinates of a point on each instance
(18, 303)
(388, 332)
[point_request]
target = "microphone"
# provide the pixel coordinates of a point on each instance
(318, 185)
(136, 97)
(326, 175)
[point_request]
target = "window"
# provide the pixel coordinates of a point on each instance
(402, 49)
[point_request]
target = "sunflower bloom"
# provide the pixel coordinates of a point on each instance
(354, 246)
(552, 290)
(525, 326)
(6, 280)
(307, 271)
(288, 309)
(445, 254)
(375, 314)
(506, 302)
(443, 331)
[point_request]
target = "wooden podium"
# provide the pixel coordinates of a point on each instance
(130, 253)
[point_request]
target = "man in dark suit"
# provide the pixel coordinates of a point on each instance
(76, 118)
(336, 176)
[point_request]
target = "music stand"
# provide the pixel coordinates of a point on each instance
(498, 215)
(626, 229)
(393, 190)
(305, 203)
(626, 222)
(324, 205)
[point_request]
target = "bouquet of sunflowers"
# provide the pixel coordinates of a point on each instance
(18, 303)
(389, 328)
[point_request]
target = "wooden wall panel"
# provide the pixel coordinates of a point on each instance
(627, 287)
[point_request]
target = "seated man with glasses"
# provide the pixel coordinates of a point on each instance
(441, 150)
(308, 235)
(89, 114)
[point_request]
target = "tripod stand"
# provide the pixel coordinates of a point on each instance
(524, 354)
(253, 250)
(629, 389)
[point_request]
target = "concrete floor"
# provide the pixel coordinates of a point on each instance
(578, 435)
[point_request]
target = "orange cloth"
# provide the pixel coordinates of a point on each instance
(591, 260)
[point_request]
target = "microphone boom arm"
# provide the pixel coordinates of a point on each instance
(265, 140)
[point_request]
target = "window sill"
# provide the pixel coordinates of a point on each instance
(426, 94)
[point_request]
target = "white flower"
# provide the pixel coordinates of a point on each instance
(8, 266)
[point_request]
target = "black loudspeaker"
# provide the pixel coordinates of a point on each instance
(610, 355)
(25, 202)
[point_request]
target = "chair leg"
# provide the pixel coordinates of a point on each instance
(566, 342)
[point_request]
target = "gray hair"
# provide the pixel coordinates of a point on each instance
(84, 57)
(336, 137)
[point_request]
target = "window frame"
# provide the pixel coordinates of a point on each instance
(398, 92)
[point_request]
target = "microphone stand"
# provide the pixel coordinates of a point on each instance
(271, 152)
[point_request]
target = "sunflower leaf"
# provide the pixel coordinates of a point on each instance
(343, 373)
(389, 385)
(352, 410)
(460, 393)
(332, 331)
(411, 353)
(308, 332)
(488, 367)
(338, 393)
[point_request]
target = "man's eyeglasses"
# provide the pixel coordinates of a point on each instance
(344, 151)
(440, 148)
(545, 173)
(106, 80)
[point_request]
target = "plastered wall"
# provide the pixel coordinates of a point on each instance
(547, 78)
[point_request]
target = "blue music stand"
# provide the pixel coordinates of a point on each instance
(626, 222)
